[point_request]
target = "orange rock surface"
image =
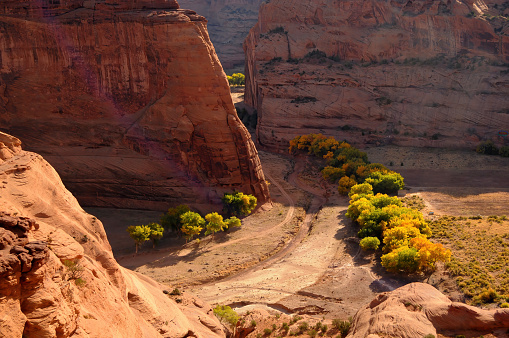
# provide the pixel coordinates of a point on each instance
(127, 100)
(416, 73)
(418, 309)
(41, 226)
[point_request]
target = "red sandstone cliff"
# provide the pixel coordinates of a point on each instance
(417, 309)
(126, 99)
(424, 73)
(42, 226)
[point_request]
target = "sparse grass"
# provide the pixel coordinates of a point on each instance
(414, 202)
(480, 255)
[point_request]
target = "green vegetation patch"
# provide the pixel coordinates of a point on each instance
(480, 262)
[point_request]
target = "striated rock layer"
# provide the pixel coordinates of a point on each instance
(417, 73)
(43, 228)
(417, 309)
(229, 22)
(127, 100)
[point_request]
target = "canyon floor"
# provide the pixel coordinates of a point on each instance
(299, 254)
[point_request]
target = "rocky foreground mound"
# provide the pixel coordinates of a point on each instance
(126, 99)
(58, 277)
(417, 309)
(417, 73)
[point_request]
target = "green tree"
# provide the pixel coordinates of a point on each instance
(192, 224)
(139, 233)
(385, 183)
(233, 222)
(215, 223)
(156, 233)
(237, 79)
(238, 203)
(171, 220)
(227, 316)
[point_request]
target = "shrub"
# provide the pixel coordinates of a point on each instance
(504, 305)
(312, 333)
(285, 327)
(369, 243)
(487, 147)
(267, 331)
(504, 151)
(488, 296)
(253, 323)
(304, 326)
(343, 326)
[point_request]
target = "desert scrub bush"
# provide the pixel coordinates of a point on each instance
(253, 323)
(487, 147)
(303, 327)
(370, 243)
(504, 305)
(504, 151)
(285, 327)
(343, 326)
(267, 331)
(312, 333)
(74, 270)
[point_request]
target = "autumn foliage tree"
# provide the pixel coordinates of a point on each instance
(238, 204)
(171, 220)
(403, 231)
(192, 224)
(139, 233)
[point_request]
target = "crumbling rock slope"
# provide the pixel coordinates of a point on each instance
(417, 73)
(58, 277)
(126, 99)
(417, 309)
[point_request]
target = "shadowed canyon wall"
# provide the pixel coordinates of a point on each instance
(126, 99)
(42, 229)
(416, 73)
(229, 22)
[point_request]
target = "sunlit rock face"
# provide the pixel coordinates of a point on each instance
(126, 99)
(419, 73)
(42, 230)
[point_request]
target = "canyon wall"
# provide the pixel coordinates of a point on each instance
(229, 22)
(127, 100)
(58, 277)
(416, 73)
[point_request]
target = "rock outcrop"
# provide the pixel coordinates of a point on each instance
(416, 73)
(126, 99)
(58, 277)
(417, 309)
(229, 23)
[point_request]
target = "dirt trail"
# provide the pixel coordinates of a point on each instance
(314, 273)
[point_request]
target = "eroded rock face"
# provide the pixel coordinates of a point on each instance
(417, 73)
(40, 295)
(229, 23)
(418, 309)
(132, 107)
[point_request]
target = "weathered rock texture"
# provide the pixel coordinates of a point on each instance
(417, 309)
(126, 100)
(39, 295)
(229, 22)
(421, 73)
